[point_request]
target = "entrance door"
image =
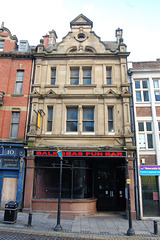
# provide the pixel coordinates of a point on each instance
(110, 187)
(9, 190)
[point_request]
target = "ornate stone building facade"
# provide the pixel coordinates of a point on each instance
(80, 105)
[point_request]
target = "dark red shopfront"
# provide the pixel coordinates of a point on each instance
(91, 181)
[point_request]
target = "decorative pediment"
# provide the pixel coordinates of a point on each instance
(50, 93)
(36, 93)
(81, 20)
(110, 92)
(126, 92)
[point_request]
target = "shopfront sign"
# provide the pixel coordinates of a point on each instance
(80, 154)
(150, 170)
(9, 163)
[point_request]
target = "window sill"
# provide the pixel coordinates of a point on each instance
(17, 95)
(71, 133)
(80, 86)
(51, 86)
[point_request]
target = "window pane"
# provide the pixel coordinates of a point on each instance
(88, 126)
(138, 96)
(50, 119)
(110, 113)
(49, 126)
(137, 84)
(72, 126)
(142, 143)
(150, 141)
(14, 125)
(72, 113)
(19, 82)
(74, 72)
(87, 72)
(86, 76)
(53, 76)
(20, 75)
(88, 113)
(74, 81)
(87, 81)
(149, 126)
(110, 126)
(109, 81)
(1, 44)
(145, 84)
(18, 88)
(157, 95)
(50, 113)
(141, 126)
(159, 126)
(156, 83)
(146, 96)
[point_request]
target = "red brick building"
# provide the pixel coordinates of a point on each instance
(15, 77)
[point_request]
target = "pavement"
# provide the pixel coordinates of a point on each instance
(98, 226)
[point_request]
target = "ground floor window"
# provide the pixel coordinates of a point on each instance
(150, 196)
(76, 179)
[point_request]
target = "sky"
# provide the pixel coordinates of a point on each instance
(139, 19)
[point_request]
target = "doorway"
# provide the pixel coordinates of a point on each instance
(9, 190)
(110, 185)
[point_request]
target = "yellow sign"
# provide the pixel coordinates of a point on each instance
(38, 120)
(128, 181)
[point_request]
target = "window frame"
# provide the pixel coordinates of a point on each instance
(89, 120)
(81, 77)
(156, 89)
(111, 121)
(146, 133)
(19, 82)
(71, 119)
(141, 90)
(81, 121)
(53, 77)
(109, 76)
(14, 124)
(1, 45)
(49, 128)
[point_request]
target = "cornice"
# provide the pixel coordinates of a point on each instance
(16, 55)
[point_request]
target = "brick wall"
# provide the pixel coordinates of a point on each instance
(149, 159)
(8, 71)
(152, 64)
(157, 111)
(143, 112)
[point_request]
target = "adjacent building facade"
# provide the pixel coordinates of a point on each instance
(145, 78)
(15, 76)
(80, 105)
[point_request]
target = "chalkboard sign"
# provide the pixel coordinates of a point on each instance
(10, 163)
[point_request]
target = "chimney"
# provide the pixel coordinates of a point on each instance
(46, 40)
(119, 33)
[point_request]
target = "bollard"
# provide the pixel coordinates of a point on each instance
(155, 227)
(29, 219)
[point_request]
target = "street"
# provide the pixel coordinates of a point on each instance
(21, 235)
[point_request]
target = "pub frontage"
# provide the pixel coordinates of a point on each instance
(91, 181)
